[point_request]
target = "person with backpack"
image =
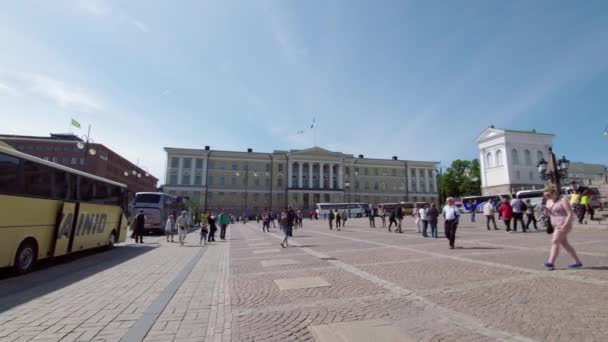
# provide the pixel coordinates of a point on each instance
(519, 208)
(425, 221)
(400, 219)
(338, 219)
(393, 219)
(344, 218)
(287, 221)
(331, 219)
(530, 215)
(432, 215)
(140, 224)
(212, 228)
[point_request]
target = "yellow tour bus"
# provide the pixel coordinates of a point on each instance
(48, 210)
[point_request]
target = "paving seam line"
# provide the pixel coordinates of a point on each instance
(586, 280)
(457, 318)
(142, 326)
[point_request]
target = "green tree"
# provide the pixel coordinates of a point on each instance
(462, 178)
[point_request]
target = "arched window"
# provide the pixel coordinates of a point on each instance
(539, 156)
(499, 158)
(489, 162)
(528, 157)
(515, 156)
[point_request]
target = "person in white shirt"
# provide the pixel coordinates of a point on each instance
(424, 219)
(183, 224)
(488, 211)
(450, 216)
(169, 230)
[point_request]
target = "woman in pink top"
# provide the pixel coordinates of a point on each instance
(561, 215)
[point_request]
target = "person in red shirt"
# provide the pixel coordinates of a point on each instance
(506, 212)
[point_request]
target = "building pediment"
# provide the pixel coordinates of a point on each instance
(314, 152)
(490, 133)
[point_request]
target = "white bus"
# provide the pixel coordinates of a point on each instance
(157, 207)
(355, 209)
(535, 196)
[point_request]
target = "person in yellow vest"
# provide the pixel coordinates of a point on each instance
(583, 207)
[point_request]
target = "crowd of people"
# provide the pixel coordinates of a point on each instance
(557, 214)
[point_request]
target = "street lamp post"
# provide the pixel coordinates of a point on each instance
(438, 176)
(554, 170)
(347, 184)
(85, 147)
(356, 182)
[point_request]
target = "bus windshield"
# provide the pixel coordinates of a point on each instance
(147, 198)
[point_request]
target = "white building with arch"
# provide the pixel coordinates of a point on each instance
(509, 158)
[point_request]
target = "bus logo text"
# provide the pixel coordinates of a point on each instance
(87, 224)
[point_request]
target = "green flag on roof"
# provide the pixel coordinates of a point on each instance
(75, 123)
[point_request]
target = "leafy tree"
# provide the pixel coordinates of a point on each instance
(462, 178)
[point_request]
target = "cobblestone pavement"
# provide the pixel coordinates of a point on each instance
(491, 287)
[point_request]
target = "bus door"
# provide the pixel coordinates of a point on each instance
(64, 229)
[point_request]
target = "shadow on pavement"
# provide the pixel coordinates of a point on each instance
(479, 248)
(55, 274)
(597, 268)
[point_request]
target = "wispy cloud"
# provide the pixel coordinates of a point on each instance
(45, 87)
(166, 92)
(141, 26)
(94, 7)
(282, 33)
(6, 89)
(102, 8)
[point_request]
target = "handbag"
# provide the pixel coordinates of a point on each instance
(546, 221)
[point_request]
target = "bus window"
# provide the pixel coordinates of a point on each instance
(9, 171)
(86, 189)
(37, 179)
(58, 184)
(147, 198)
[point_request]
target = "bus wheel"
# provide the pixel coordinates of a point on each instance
(111, 240)
(26, 257)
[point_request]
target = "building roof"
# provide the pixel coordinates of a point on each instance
(51, 137)
(492, 131)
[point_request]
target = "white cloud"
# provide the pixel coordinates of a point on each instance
(141, 26)
(94, 7)
(6, 89)
(283, 34)
(64, 95)
(166, 92)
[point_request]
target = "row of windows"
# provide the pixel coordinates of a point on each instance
(48, 148)
(222, 165)
(65, 160)
(496, 159)
(527, 157)
(26, 178)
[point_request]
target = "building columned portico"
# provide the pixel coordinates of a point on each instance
(253, 181)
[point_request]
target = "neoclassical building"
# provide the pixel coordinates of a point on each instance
(509, 159)
(253, 181)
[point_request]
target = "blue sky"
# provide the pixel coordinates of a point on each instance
(417, 79)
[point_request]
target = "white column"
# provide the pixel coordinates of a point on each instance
(289, 174)
(482, 171)
(192, 171)
(205, 171)
(321, 175)
(168, 171)
(331, 176)
(300, 171)
(179, 171)
(310, 168)
(340, 176)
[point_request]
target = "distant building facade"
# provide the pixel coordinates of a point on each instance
(587, 174)
(509, 159)
(63, 149)
(252, 181)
